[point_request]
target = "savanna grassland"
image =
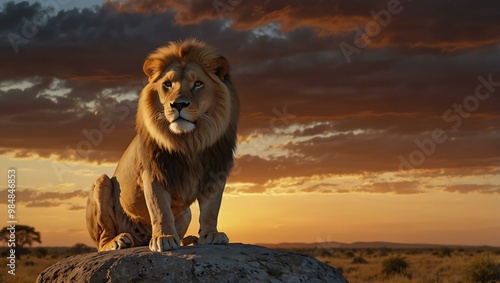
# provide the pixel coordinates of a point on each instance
(438, 265)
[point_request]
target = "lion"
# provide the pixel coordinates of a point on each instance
(186, 125)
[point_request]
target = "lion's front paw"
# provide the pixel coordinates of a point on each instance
(163, 243)
(214, 238)
(122, 241)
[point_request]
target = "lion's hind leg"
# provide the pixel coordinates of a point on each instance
(101, 217)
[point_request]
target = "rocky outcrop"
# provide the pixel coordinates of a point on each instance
(231, 263)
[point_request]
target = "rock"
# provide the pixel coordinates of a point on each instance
(231, 263)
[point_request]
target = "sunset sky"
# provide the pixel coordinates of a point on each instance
(350, 129)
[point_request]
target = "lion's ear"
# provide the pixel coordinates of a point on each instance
(222, 68)
(152, 68)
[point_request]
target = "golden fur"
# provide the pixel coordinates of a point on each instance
(186, 132)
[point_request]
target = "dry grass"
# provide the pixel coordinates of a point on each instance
(425, 266)
(27, 268)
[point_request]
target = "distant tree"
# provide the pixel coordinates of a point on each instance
(25, 236)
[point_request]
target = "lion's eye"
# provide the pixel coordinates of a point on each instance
(167, 84)
(198, 85)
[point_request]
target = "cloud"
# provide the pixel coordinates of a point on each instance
(237, 188)
(42, 198)
(338, 18)
(322, 149)
(473, 188)
(77, 207)
(331, 183)
(85, 172)
(78, 130)
(43, 203)
(405, 187)
(421, 181)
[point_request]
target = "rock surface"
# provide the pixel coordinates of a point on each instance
(231, 263)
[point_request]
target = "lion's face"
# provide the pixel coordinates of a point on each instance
(185, 97)
(187, 102)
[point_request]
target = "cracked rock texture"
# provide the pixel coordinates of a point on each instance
(231, 263)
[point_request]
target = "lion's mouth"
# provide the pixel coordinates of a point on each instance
(184, 119)
(182, 126)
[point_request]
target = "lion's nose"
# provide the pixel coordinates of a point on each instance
(179, 105)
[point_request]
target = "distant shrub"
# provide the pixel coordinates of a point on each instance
(359, 260)
(350, 254)
(411, 252)
(443, 252)
(41, 252)
(384, 251)
(483, 269)
(394, 265)
(324, 253)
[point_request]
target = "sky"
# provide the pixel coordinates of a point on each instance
(360, 120)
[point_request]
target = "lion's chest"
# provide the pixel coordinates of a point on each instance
(185, 193)
(187, 175)
(182, 178)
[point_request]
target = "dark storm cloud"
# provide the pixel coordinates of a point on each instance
(94, 44)
(36, 123)
(444, 25)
